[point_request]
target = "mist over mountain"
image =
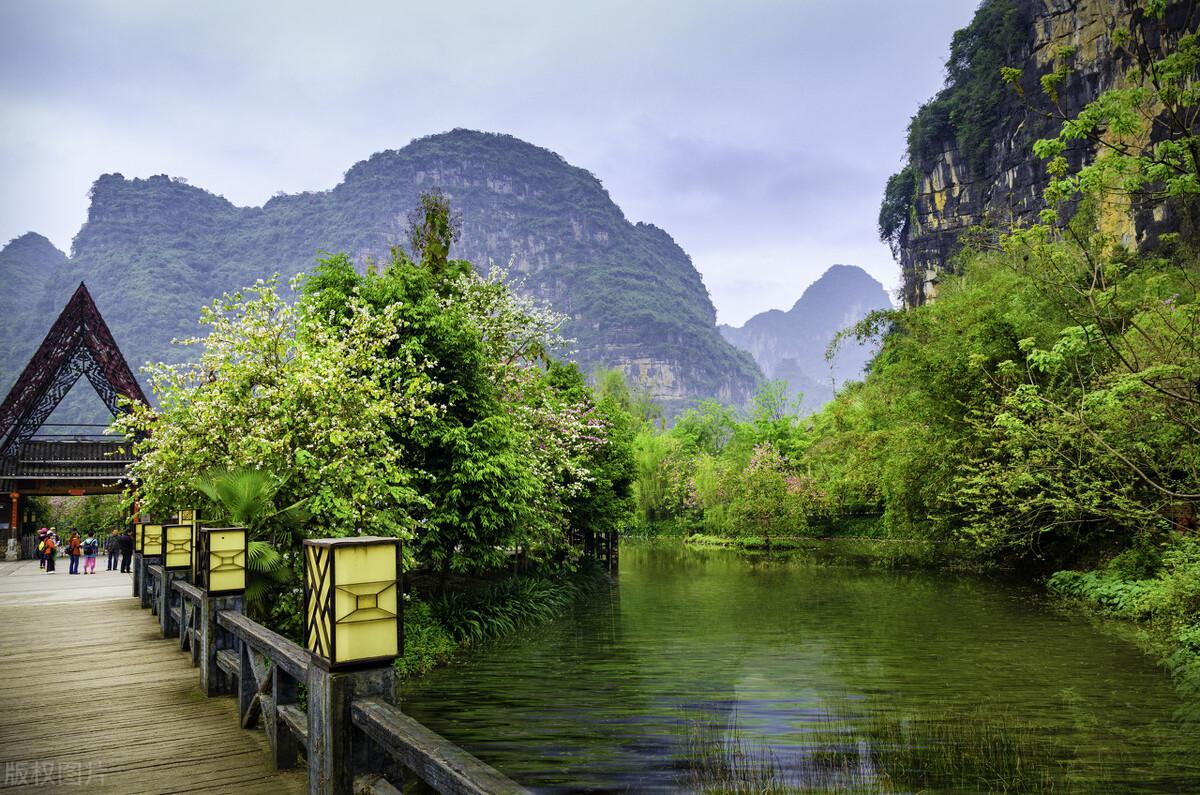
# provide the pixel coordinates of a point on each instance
(791, 345)
(154, 250)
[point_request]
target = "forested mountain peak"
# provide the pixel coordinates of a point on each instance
(29, 251)
(154, 250)
(839, 283)
(791, 345)
(27, 263)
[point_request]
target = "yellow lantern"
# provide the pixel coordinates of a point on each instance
(177, 546)
(152, 542)
(221, 560)
(352, 600)
(137, 536)
(190, 516)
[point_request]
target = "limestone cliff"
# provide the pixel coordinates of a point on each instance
(153, 251)
(970, 148)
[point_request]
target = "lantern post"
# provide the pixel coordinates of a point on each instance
(137, 558)
(149, 543)
(354, 631)
(220, 565)
(190, 516)
(176, 546)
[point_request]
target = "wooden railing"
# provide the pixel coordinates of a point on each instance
(352, 738)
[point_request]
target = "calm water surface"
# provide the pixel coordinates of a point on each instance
(703, 666)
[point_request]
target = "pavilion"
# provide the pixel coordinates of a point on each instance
(77, 464)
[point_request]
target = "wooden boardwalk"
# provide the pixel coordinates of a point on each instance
(93, 698)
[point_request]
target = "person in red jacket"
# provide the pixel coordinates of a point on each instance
(50, 550)
(73, 549)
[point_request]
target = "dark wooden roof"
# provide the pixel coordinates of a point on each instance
(78, 344)
(63, 467)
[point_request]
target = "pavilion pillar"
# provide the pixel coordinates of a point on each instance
(13, 552)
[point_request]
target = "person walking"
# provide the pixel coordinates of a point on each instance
(43, 534)
(50, 551)
(125, 541)
(112, 545)
(73, 549)
(91, 546)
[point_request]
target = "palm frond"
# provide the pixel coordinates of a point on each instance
(262, 558)
(294, 515)
(245, 494)
(258, 588)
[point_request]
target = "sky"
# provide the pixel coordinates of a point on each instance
(758, 133)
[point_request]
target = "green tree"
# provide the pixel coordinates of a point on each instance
(245, 498)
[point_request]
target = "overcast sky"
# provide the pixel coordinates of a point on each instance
(757, 133)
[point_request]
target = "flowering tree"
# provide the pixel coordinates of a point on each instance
(416, 400)
(273, 390)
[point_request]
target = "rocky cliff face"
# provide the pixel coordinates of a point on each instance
(154, 250)
(999, 182)
(791, 345)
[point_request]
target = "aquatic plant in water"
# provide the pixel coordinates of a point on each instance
(881, 752)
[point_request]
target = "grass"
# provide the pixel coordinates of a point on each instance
(880, 752)
(438, 626)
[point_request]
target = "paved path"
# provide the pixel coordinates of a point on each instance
(93, 699)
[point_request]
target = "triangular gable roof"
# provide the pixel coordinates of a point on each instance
(79, 343)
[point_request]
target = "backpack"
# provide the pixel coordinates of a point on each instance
(90, 545)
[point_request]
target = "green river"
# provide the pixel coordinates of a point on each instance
(705, 671)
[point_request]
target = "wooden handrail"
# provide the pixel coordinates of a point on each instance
(359, 747)
(437, 761)
(278, 649)
(188, 590)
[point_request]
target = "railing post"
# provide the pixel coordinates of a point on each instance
(166, 600)
(330, 727)
(137, 574)
(213, 638)
(146, 591)
(285, 749)
(186, 622)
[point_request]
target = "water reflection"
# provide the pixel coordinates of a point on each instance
(702, 661)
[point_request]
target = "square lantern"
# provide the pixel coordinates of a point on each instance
(177, 546)
(221, 560)
(190, 516)
(152, 540)
(137, 536)
(352, 601)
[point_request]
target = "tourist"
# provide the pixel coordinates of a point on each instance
(73, 549)
(126, 544)
(50, 551)
(112, 545)
(41, 547)
(91, 545)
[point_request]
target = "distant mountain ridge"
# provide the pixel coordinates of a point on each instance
(154, 250)
(791, 345)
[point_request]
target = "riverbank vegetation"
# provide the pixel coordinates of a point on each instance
(1041, 416)
(417, 400)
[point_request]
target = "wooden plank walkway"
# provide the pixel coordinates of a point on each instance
(94, 699)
